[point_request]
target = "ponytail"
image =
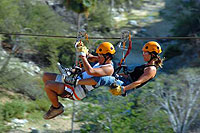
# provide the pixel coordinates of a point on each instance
(158, 61)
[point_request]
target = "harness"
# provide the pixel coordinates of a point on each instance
(81, 34)
(70, 92)
(126, 36)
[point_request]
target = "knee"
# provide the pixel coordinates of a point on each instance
(48, 76)
(48, 85)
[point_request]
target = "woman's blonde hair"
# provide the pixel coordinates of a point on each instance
(158, 61)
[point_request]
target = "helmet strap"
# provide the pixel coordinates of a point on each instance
(105, 58)
(153, 56)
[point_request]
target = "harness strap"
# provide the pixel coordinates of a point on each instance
(117, 70)
(72, 88)
(128, 51)
(84, 89)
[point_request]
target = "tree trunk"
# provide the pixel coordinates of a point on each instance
(112, 3)
(79, 22)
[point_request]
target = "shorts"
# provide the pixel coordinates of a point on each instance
(59, 78)
(109, 80)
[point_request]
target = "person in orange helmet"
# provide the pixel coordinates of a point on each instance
(141, 75)
(144, 73)
(67, 86)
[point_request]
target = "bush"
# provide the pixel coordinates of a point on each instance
(187, 22)
(38, 105)
(171, 51)
(14, 109)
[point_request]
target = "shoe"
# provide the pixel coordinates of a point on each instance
(68, 71)
(53, 112)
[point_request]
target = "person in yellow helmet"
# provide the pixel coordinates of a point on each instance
(135, 79)
(66, 86)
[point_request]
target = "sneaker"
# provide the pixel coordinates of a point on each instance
(68, 71)
(53, 112)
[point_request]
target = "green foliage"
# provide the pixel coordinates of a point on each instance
(21, 82)
(14, 109)
(3, 127)
(66, 53)
(9, 18)
(35, 18)
(38, 105)
(175, 93)
(23, 109)
(172, 51)
(36, 109)
(107, 113)
(79, 6)
(100, 19)
(188, 22)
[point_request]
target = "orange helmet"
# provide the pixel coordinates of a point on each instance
(152, 46)
(105, 48)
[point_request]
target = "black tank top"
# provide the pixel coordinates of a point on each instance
(138, 71)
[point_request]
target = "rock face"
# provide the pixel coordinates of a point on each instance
(15, 63)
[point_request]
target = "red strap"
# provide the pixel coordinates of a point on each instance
(128, 51)
(72, 88)
(129, 47)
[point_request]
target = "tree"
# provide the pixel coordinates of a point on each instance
(107, 113)
(22, 16)
(79, 7)
(179, 97)
(36, 18)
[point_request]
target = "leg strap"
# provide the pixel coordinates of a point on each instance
(78, 92)
(66, 94)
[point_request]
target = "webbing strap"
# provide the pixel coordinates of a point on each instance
(117, 70)
(72, 88)
(128, 51)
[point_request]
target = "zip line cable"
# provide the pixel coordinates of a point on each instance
(98, 38)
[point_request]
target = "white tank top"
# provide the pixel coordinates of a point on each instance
(86, 75)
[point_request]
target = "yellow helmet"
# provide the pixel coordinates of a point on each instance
(152, 46)
(105, 47)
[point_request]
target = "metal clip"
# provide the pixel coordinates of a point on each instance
(124, 38)
(81, 34)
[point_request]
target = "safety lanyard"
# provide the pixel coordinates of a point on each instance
(81, 34)
(126, 36)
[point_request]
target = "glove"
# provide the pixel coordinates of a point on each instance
(77, 69)
(116, 90)
(79, 44)
(81, 49)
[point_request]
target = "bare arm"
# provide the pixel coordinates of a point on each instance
(149, 73)
(102, 71)
(92, 58)
(88, 81)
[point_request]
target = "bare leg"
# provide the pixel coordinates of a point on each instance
(89, 81)
(53, 89)
(49, 76)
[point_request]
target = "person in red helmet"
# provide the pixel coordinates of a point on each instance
(67, 87)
